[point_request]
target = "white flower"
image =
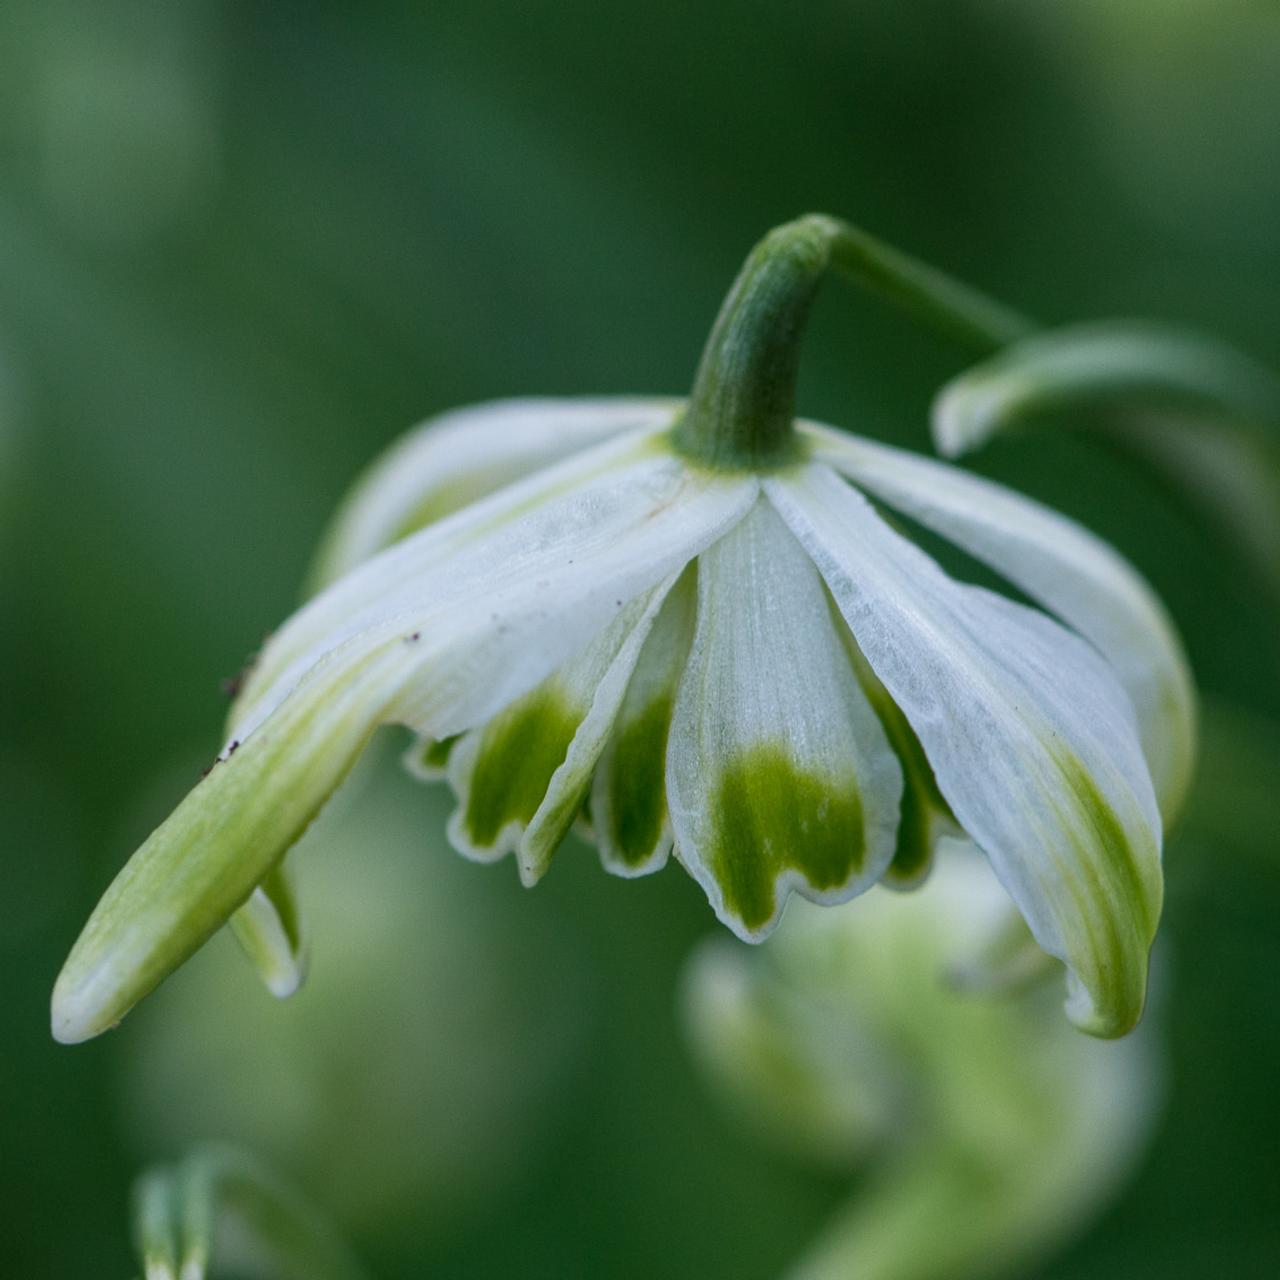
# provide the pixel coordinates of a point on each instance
(686, 626)
(978, 1119)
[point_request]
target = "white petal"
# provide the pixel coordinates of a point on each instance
(459, 642)
(1063, 566)
(1032, 741)
(222, 840)
(629, 821)
(431, 564)
(779, 774)
(522, 778)
(434, 470)
(456, 458)
(269, 928)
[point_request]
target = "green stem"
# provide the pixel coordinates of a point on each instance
(741, 411)
(178, 1210)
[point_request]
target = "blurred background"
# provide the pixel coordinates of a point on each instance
(242, 247)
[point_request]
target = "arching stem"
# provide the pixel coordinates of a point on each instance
(740, 413)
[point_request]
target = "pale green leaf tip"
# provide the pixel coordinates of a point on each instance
(968, 411)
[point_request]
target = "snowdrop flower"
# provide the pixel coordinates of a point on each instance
(687, 627)
(984, 1131)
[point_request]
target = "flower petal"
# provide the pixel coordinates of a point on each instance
(522, 778)
(779, 774)
(629, 819)
(925, 818)
(269, 928)
(458, 457)
(1063, 566)
(361, 598)
(467, 639)
(1031, 739)
(221, 841)
(431, 472)
(438, 562)
(427, 759)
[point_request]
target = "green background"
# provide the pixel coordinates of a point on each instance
(243, 246)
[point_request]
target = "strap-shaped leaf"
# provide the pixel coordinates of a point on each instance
(1202, 415)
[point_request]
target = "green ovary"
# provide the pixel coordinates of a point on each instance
(637, 790)
(519, 751)
(772, 817)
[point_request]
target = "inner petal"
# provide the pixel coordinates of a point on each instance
(629, 794)
(521, 779)
(779, 775)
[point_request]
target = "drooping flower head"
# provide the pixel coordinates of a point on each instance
(685, 626)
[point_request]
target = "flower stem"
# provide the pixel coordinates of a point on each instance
(740, 413)
(179, 1209)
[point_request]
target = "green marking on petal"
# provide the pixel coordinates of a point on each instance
(924, 814)
(435, 754)
(1121, 859)
(519, 750)
(914, 850)
(773, 818)
(1118, 906)
(638, 795)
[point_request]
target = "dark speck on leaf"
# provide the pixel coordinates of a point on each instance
(232, 685)
(233, 748)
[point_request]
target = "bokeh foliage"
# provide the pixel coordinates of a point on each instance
(243, 245)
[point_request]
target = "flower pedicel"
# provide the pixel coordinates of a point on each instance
(685, 627)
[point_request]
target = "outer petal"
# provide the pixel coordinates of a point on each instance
(441, 466)
(779, 774)
(509, 611)
(1031, 739)
(206, 858)
(1066, 568)
(522, 778)
(459, 457)
(361, 598)
(433, 564)
(629, 819)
